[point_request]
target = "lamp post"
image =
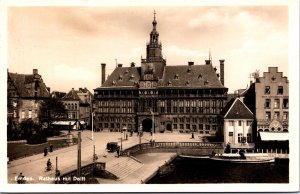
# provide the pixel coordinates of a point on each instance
(93, 125)
(152, 125)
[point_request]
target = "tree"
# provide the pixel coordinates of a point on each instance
(50, 110)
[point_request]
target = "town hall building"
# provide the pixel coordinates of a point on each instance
(181, 98)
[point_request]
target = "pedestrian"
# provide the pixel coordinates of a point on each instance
(118, 152)
(45, 151)
(20, 179)
(51, 148)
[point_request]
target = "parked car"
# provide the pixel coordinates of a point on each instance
(112, 146)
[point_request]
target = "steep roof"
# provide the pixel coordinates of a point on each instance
(190, 75)
(25, 85)
(72, 95)
(173, 76)
(236, 109)
(123, 76)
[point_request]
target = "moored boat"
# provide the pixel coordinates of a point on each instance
(166, 169)
(244, 158)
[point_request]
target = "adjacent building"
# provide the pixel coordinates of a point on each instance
(180, 98)
(268, 99)
(238, 124)
(24, 95)
(78, 104)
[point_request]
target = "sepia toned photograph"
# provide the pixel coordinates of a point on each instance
(149, 97)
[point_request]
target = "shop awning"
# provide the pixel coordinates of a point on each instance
(274, 136)
(63, 122)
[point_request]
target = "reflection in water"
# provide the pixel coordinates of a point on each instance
(189, 170)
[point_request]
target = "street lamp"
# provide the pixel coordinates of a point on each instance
(93, 125)
(152, 125)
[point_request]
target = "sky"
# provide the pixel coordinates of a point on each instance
(68, 44)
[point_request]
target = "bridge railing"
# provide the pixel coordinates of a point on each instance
(171, 146)
(71, 176)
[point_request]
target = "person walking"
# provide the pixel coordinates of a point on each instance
(45, 151)
(51, 148)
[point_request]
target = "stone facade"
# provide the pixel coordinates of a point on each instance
(24, 94)
(172, 98)
(78, 104)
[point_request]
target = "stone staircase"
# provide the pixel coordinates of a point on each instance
(123, 166)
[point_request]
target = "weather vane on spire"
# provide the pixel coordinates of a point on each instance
(154, 14)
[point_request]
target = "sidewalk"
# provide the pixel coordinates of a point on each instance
(33, 167)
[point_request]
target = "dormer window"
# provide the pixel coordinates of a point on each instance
(189, 70)
(126, 71)
(176, 76)
(206, 83)
(120, 77)
(200, 76)
(114, 83)
(187, 83)
(131, 77)
(169, 83)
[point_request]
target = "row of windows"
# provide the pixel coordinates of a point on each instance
(240, 137)
(71, 106)
(72, 115)
(276, 115)
(191, 103)
(115, 110)
(194, 127)
(114, 119)
(240, 123)
(201, 110)
(27, 114)
(285, 103)
(279, 90)
(195, 120)
(114, 126)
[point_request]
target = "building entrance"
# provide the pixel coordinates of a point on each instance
(169, 127)
(147, 125)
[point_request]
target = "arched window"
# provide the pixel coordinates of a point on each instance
(76, 106)
(266, 129)
(72, 106)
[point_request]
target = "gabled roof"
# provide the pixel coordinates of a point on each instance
(236, 109)
(72, 95)
(25, 85)
(57, 94)
(123, 76)
(190, 75)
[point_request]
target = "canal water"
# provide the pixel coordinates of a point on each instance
(191, 170)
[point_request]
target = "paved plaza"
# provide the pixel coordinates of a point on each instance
(33, 167)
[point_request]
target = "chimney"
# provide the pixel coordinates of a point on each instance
(132, 64)
(120, 65)
(103, 72)
(207, 62)
(35, 71)
(222, 71)
(191, 63)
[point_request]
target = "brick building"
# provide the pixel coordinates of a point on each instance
(268, 99)
(172, 98)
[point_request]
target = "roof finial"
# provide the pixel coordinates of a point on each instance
(154, 14)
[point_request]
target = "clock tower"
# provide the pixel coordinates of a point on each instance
(153, 65)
